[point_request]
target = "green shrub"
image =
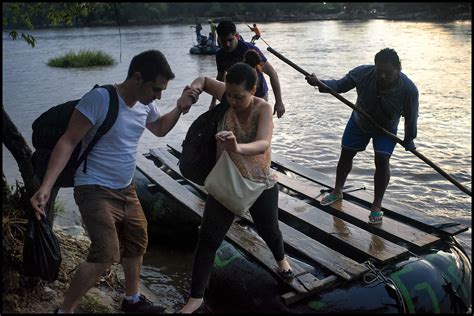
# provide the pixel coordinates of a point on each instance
(59, 207)
(85, 58)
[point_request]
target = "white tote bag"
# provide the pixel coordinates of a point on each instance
(226, 185)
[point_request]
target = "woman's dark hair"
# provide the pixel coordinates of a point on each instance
(252, 58)
(225, 28)
(242, 73)
(150, 64)
(388, 55)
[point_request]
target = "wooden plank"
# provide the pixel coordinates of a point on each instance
(322, 224)
(334, 261)
(167, 184)
(318, 286)
(301, 170)
(331, 229)
(258, 249)
(389, 229)
(237, 234)
(167, 158)
(392, 208)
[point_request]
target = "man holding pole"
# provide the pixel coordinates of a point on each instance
(385, 94)
(257, 33)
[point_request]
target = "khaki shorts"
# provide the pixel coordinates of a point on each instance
(114, 220)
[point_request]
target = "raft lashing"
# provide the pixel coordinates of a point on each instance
(411, 263)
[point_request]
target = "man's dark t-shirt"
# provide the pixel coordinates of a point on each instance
(225, 60)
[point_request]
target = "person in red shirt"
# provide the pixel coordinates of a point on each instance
(257, 33)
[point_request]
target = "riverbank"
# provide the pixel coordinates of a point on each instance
(25, 295)
(250, 18)
(291, 17)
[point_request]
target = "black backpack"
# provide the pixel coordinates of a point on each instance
(51, 125)
(198, 156)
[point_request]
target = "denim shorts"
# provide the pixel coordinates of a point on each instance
(114, 220)
(356, 139)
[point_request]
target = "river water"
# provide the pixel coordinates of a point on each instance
(436, 56)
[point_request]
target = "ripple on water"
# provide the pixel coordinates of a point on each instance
(311, 130)
(169, 287)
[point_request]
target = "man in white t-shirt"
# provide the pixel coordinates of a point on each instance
(105, 193)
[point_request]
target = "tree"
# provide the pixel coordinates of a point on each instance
(28, 15)
(11, 137)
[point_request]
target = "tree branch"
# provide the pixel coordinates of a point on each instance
(16, 144)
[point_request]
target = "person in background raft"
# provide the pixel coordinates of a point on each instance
(257, 33)
(213, 33)
(233, 51)
(252, 58)
(386, 94)
(106, 194)
(198, 28)
(245, 132)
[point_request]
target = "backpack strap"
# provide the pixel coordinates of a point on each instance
(109, 121)
(220, 109)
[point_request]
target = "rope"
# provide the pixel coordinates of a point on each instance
(117, 14)
(249, 27)
(389, 284)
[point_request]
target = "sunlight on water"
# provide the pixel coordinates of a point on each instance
(436, 56)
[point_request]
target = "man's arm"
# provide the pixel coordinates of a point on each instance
(78, 126)
(348, 82)
(165, 123)
(279, 107)
(411, 118)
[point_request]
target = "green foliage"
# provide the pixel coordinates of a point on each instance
(85, 58)
(59, 207)
(91, 305)
(27, 37)
(31, 15)
(19, 200)
(145, 13)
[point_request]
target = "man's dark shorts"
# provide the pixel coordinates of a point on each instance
(356, 139)
(114, 220)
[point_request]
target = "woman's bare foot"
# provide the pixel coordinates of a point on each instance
(283, 265)
(192, 305)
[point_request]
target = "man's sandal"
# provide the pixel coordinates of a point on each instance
(375, 217)
(330, 198)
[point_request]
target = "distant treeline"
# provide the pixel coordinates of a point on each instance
(48, 14)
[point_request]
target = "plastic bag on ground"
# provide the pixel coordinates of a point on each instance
(41, 252)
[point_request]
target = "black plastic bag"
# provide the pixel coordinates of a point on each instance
(41, 252)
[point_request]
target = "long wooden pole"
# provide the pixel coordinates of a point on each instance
(368, 117)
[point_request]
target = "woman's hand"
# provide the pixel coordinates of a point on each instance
(228, 139)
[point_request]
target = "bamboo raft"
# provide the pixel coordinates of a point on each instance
(330, 245)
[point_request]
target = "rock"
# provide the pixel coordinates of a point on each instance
(75, 231)
(48, 294)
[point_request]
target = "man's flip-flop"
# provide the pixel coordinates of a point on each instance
(375, 217)
(330, 198)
